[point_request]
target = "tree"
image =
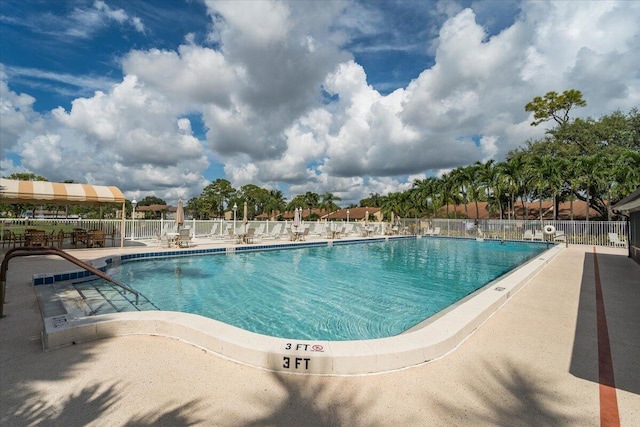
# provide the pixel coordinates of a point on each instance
(374, 200)
(151, 200)
(423, 192)
(214, 196)
(26, 177)
(311, 200)
(276, 202)
(328, 202)
(554, 106)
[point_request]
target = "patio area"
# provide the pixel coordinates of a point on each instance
(534, 362)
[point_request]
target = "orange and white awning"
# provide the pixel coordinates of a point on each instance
(34, 192)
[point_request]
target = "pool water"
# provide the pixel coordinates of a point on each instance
(346, 292)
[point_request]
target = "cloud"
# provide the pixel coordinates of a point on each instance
(18, 116)
(62, 83)
(84, 22)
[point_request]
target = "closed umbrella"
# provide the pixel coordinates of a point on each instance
(366, 225)
(296, 218)
(245, 219)
(179, 214)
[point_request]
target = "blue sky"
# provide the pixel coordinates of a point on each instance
(349, 97)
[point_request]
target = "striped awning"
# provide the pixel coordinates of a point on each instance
(34, 192)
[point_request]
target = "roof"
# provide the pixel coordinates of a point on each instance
(354, 213)
(631, 203)
(33, 192)
(533, 208)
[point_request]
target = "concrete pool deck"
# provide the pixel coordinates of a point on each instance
(534, 362)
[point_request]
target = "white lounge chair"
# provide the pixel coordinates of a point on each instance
(259, 232)
(538, 235)
(436, 231)
(318, 229)
(213, 231)
(616, 241)
(559, 236)
(275, 233)
(528, 235)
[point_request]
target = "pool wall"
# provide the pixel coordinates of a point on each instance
(430, 341)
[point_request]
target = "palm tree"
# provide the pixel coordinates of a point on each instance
(276, 203)
(328, 202)
(311, 200)
(511, 172)
(423, 191)
(446, 184)
(535, 169)
(487, 175)
(588, 167)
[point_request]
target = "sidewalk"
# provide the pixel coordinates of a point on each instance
(534, 362)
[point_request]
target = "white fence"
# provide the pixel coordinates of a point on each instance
(576, 232)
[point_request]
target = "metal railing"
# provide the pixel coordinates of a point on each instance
(31, 251)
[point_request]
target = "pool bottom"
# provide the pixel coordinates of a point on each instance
(430, 340)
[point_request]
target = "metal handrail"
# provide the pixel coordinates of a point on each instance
(48, 250)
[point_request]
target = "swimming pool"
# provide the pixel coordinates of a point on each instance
(346, 292)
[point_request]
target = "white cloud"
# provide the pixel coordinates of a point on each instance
(282, 102)
(17, 116)
(84, 22)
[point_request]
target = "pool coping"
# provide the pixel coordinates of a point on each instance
(432, 340)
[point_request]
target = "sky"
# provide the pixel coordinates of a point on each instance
(349, 97)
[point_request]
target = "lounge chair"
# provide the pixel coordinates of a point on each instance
(259, 231)
(538, 235)
(559, 236)
(275, 232)
(615, 240)
(162, 240)
(436, 231)
(318, 229)
(528, 235)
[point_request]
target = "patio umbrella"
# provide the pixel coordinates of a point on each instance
(296, 218)
(179, 214)
(245, 220)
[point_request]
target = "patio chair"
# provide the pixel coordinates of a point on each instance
(36, 238)
(8, 238)
(95, 238)
(184, 238)
(305, 233)
(615, 240)
(538, 235)
(528, 235)
(248, 238)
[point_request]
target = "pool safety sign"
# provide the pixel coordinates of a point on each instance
(302, 356)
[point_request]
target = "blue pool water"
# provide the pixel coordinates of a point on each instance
(346, 292)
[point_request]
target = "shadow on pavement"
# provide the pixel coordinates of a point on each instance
(620, 280)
